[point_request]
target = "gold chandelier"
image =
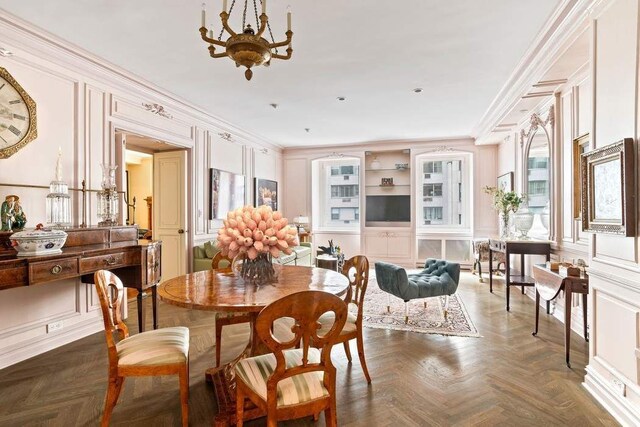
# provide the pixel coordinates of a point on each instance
(247, 49)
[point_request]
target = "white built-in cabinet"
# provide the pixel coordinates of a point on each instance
(388, 244)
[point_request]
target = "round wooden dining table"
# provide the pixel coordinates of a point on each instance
(224, 291)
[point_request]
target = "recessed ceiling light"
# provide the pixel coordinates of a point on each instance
(523, 111)
(274, 106)
(418, 90)
(5, 52)
(341, 98)
(307, 130)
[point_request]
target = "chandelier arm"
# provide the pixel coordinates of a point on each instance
(224, 17)
(203, 34)
(284, 43)
(263, 24)
(285, 57)
(213, 54)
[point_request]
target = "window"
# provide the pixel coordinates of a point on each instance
(336, 193)
(432, 190)
(538, 188)
(446, 191)
(432, 167)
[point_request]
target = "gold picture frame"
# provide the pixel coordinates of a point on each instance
(32, 132)
(608, 189)
(581, 145)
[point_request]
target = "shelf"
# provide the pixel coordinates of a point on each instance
(518, 279)
(387, 169)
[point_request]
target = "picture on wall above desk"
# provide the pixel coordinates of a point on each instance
(266, 193)
(227, 193)
(608, 189)
(505, 182)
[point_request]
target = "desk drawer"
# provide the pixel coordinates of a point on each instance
(106, 262)
(42, 272)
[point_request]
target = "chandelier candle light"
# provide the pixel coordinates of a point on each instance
(247, 49)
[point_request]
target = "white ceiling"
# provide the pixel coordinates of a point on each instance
(371, 52)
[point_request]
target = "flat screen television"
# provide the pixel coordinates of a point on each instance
(227, 193)
(386, 209)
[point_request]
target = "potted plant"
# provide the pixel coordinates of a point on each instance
(505, 202)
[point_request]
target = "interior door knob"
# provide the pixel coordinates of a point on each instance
(181, 231)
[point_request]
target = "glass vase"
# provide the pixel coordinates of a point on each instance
(504, 225)
(523, 221)
(258, 271)
(108, 197)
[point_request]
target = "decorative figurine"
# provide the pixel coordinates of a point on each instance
(19, 217)
(7, 213)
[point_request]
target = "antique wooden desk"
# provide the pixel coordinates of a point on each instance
(516, 247)
(224, 291)
(548, 285)
(86, 251)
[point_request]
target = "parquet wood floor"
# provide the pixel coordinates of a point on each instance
(506, 378)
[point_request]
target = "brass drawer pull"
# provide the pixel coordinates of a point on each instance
(111, 260)
(56, 269)
(156, 265)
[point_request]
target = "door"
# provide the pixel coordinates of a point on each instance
(170, 210)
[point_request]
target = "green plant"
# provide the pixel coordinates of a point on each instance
(505, 201)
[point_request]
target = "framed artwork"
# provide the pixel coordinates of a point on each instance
(226, 193)
(505, 182)
(608, 189)
(581, 145)
(266, 193)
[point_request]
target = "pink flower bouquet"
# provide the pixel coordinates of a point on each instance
(255, 231)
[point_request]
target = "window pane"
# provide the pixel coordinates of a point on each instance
(338, 190)
(444, 193)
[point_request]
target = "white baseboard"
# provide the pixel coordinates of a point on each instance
(31, 348)
(619, 407)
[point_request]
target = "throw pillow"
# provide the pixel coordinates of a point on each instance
(210, 249)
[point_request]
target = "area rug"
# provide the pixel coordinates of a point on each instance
(429, 320)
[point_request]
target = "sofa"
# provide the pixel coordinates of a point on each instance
(203, 254)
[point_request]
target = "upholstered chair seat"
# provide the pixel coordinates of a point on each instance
(290, 391)
(438, 278)
(327, 319)
(158, 347)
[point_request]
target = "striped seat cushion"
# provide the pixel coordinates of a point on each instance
(327, 319)
(158, 347)
(255, 371)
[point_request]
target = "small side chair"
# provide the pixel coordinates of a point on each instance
(223, 263)
(357, 271)
(158, 352)
(290, 382)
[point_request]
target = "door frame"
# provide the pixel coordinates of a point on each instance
(116, 156)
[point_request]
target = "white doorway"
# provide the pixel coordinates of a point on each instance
(155, 173)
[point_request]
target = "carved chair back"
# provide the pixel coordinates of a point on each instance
(111, 293)
(357, 271)
(305, 308)
(219, 259)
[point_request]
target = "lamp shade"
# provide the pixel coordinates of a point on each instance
(301, 220)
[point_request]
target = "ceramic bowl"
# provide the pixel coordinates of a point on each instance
(36, 242)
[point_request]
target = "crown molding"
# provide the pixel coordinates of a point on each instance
(565, 24)
(22, 35)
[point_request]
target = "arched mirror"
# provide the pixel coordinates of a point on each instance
(537, 173)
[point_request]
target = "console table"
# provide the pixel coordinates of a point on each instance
(549, 283)
(87, 250)
(516, 247)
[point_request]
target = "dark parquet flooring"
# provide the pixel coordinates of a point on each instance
(505, 378)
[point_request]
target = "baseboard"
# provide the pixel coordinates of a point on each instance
(31, 348)
(619, 407)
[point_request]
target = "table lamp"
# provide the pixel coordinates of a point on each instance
(300, 222)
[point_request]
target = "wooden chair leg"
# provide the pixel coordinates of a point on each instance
(218, 343)
(330, 414)
(113, 392)
(347, 350)
(272, 421)
(363, 363)
(184, 395)
(239, 407)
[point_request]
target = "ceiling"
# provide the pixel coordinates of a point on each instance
(374, 53)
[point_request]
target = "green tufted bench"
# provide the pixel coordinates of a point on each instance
(438, 278)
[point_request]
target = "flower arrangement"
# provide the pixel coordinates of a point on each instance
(505, 201)
(256, 231)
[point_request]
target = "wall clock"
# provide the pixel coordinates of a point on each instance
(17, 116)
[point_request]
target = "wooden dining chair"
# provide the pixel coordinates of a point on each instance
(223, 263)
(357, 271)
(293, 382)
(158, 352)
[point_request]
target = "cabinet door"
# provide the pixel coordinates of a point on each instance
(399, 245)
(376, 244)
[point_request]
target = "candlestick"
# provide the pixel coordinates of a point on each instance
(264, 6)
(211, 34)
(204, 14)
(224, 5)
(288, 18)
(59, 165)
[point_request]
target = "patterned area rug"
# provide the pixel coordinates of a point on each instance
(429, 320)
